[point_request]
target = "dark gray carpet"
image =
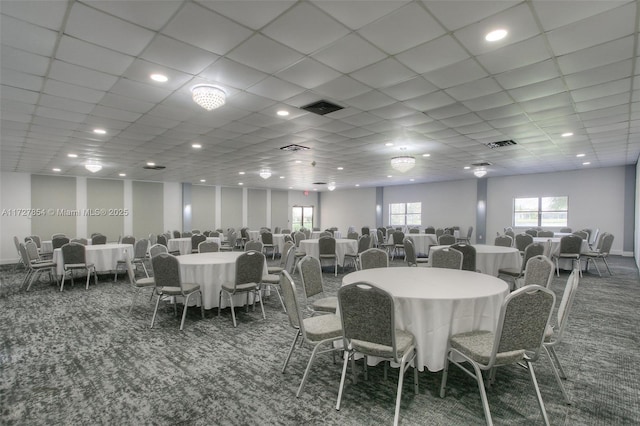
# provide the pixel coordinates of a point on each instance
(78, 357)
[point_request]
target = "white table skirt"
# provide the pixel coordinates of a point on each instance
(105, 257)
(211, 270)
(343, 246)
(421, 242)
(555, 248)
(183, 245)
(316, 234)
(489, 259)
(435, 303)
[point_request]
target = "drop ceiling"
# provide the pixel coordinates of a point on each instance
(415, 74)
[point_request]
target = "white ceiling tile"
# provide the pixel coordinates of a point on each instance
(342, 88)
(126, 103)
(16, 94)
(430, 101)
(274, 88)
(59, 114)
(19, 60)
(599, 75)
(207, 30)
(81, 76)
(116, 114)
(177, 55)
(453, 75)
(259, 14)
(528, 75)
(152, 14)
(538, 90)
(65, 104)
(547, 102)
(139, 91)
(593, 57)
(99, 28)
(602, 90)
(474, 89)
(249, 102)
(515, 55)
(517, 20)
(602, 103)
(370, 100)
(340, 54)
(357, 14)
(446, 49)
(71, 91)
(265, 55)
(410, 89)
(308, 73)
(232, 74)
(466, 12)
(555, 14)
(305, 29)
(49, 14)
(27, 37)
(607, 26)
(488, 101)
(501, 112)
(403, 29)
(20, 80)
(90, 56)
(448, 111)
(383, 74)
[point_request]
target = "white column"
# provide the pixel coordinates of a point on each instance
(218, 208)
(245, 207)
(268, 222)
(81, 205)
(128, 205)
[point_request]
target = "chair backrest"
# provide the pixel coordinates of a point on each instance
(36, 239)
(290, 259)
(130, 272)
(162, 240)
(365, 230)
(311, 275)
(32, 250)
(196, 240)
(364, 242)
(98, 239)
(538, 270)
(17, 242)
(166, 271)
(140, 249)
(503, 240)
(446, 258)
(267, 238)
(398, 237)
(582, 234)
(468, 256)
(571, 244)
(73, 253)
(128, 239)
(59, 242)
(58, 236)
(299, 236)
(290, 299)
(532, 232)
(24, 256)
(409, 252)
(82, 241)
(327, 245)
(253, 245)
(429, 230)
(383, 230)
(156, 249)
(353, 235)
(545, 234)
(306, 232)
(368, 315)
(153, 239)
(249, 267)
(606, 243)
(523, 240)
(511, 234)
(414, 231)
(208, 247)
(533, 249)
(587, 231)
(195, 231)
(374, 258)
(326, 234)
(214, 234)
(524, 317)
(446, 239)
(565, 230)
(286, 231)
(469, 232)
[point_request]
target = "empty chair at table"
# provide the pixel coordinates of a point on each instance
(532, 232)
(177, 234)
(34, 269)
(249, 271)
(430, 230)
(128, 239)
(208, 247)
(398, 243)
(466, 239)
(410, 254)
(374, 258)
(446, 240)
(503, 241)
(139, 257)
(533, 249)
(414, 231)
(98, 239)
(353, 235)
(253, 245)
(582, 234)
(73, 259)
(601, 253)
(312, 284)
(364, 242)
(365, 230)
(446, 258)
(570, 248)
(468, 256)
(58, 242)
(327, 251)
(196, 239)
(545, 234)
(522, 241)
(138, 285)
(156, 249)
(186, 234)
(267, 243)
(538, 271)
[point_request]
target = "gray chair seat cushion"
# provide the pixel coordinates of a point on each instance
(327, 304)
(145, 282)
(78, 265)
(271, 279)
(569, 255)
(478, 345)
(514, 272)
(43, 264)
(404, 341)
(328, 256)
(274, 270)
(240, 288)
(187, 288)
(323, 327)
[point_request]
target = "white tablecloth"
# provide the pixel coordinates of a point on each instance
(46, 246)
(253, 235)
(489, 259)
(343, 246)
(183, 245)
(211, 270)
(104, 256)
(421, 242)
(435, 303)
(316, 234)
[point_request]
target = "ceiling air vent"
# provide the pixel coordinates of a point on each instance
(500, 144)
(481, 164)
(154, 167)
(319, 183)
(293, 148)
(322, 107)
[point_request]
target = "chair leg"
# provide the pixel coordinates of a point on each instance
(344, 374)
(445, 373)
(145, 268)
(155, 311)
(88, 279)
(604, 259)
(256, 294)
(293, 346)
(233, 311)
(135, 297)
(538, 395)
(335, 270)
(284, 309)
(306, 371)
(556, 373)
(483, 395)
(184, 311)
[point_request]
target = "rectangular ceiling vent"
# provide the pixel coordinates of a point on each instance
(500, 144)
(293, 148)
(322, 107)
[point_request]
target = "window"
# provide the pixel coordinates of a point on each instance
(405, 214)
(540, 211)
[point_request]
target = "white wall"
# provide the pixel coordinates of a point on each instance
(15, 193)
(344, 208)
(596, 199)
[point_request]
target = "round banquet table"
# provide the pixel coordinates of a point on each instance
(316, 234)
(343, 246)
(211, 270)
(105, 257)
(421, 242)
(489, 259)
(183, 245)
(436, 303)
(555, 248)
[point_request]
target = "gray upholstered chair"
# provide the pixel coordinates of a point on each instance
(439, 232)
(524, 318)
(327, 251)
(196, 239)
(139, 257)
(570, 247)
(273, 278)
(503, 241)
(166, 270)
(138, 285)
(353, 235)
(74, 258)
(267, 243)
(466, 239)
(186, 234)
(365, 230)
(601, 253)
(565, 230)
(249, 271)
(208, 247)
(446, 240)
(34, 269)
(532, 232)
(177, 234)
(374, 258)
(128, 239)
(545, 234)
(538, 270)
(554, 334)
(410, 254)
(315, 331)
(398, 243)
(311, 274)
(253, 246)
(534, 249)
(98, 239)
(522, 241)
(414, 231)
(283, 259)
(430, 230)
(156, 249)
(368, 323)
(446, 258)
(58, 242)
(364, 242)
(468, 256)
(510, 233)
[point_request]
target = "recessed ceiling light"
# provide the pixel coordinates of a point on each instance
(196, 145)
(72, 155)
(281, 177)
(315, 189)
(240, 183)
(411, 180)
(100, 131)
(586, 163)
(580, 155)
(496, 35)
(389, 176)
(467, 167)
(340, 168)
(56, 169)
(122, 174)
(203, 180)
(282, 113)
(357, 184)
(291, 187)
(161, 78)
(298, 161)
(566, 135)
(240, 173)
(426, 155)
(151, 164)
(388, 144)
